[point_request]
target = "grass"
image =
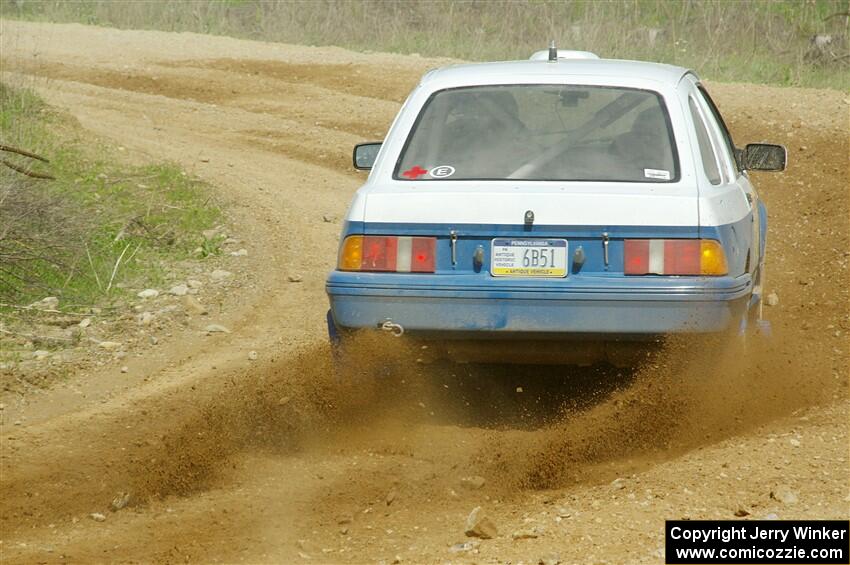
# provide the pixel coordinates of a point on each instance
(102, 227)
(766, 41)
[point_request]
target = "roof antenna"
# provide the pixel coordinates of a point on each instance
(553, 52)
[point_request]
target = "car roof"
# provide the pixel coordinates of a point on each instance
(626, 71)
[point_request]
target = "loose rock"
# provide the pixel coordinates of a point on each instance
(252, 355)
(784, 494)
(551, 559)
(478, 525)
(192, 283)
(109, 345)
(48, 303)
(239, 253)
(40, 354)
(220, 275)
(524, 534)
(84, 323)
(97, 517)
(216, 328)
(295, 278)
(125, 369)
(193, 306)
(179, 290)
(772, 299)
(464, 546)
(473, 483)
(120, 501)
(145, 318)
(391, 497)
(618, 484)
(148, 293)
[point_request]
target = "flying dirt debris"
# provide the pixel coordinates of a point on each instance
(202, 452)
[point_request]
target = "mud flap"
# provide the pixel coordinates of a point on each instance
(333, 333)
(752, 325)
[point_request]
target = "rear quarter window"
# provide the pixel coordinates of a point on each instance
(706, 151)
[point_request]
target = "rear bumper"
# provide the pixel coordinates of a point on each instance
(469, 306)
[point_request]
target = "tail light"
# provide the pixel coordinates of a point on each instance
(388, 254)
(674, 257)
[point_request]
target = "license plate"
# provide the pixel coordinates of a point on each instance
(528, 258)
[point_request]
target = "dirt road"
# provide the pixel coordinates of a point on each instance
(274, 461)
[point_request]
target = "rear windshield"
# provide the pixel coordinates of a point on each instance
(541, 132)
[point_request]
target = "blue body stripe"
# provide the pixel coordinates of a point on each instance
(597, 298)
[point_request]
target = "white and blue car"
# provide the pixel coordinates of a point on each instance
(566, 208)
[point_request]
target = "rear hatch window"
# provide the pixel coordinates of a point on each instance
(541, 132)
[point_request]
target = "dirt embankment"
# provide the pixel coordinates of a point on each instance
(278, 461)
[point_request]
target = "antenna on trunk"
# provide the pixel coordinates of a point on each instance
(553, 52)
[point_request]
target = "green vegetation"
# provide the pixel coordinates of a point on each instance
(768, 41)
(101, 226)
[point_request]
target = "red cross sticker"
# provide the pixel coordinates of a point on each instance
(415, 172)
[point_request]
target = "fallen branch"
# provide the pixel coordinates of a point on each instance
(11, 149)
(837, 15)
(32, 308)
(27, 172)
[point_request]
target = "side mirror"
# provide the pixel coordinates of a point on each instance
(765, 157)
(365, 155)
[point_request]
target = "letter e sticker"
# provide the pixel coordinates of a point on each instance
(441, 171)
